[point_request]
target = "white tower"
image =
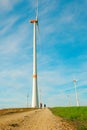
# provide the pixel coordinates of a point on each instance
(27, 100)
(35, 102)
(77, 101)
(68, 96)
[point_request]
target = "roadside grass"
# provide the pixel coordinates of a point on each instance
(78, 115)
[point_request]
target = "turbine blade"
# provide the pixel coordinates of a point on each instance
(39, 38)
(38, 29)
(37, 9)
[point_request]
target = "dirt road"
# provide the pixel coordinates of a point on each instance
(34, 120)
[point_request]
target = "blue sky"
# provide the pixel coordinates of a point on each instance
(61, 46)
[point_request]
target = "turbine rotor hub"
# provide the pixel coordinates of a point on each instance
(33, 21)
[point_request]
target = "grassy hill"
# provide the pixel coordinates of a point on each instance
(78, 115)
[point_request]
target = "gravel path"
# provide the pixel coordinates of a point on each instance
(35, 120)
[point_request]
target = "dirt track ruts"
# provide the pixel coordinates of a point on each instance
(35, 120)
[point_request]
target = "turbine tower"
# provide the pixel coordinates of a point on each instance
(77, 100)
(27, 100)
(35, 102)
(68, 96)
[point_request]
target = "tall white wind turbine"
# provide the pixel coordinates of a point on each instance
(35, 101)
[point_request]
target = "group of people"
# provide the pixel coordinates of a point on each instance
(41, 105)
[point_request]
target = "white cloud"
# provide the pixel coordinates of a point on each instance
(7, 24)
(14, 73)
(15, 82)
(7, 5)
(12, 42)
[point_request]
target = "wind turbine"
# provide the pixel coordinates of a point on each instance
(68, 96)
(27, 100)
(77, 100)
(35, 101)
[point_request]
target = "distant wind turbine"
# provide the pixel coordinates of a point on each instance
(77, 100)
(27, 100)
(68, 96)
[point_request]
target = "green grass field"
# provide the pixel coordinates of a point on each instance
(78, 115)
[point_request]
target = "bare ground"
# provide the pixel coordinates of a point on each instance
(34, 120)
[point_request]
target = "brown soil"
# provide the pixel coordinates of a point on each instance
(34, 120)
